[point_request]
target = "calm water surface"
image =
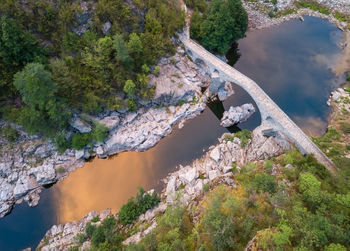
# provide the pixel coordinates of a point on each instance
(291, 62)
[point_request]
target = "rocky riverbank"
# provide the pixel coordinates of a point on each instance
(259, 18)
(32, 162)
(217, 165)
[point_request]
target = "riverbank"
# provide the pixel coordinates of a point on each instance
(263, 14)
(31, 162)
(217, 166)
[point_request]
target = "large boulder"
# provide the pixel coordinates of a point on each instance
(110, 122)
(237, 114)
(80, 125)
(189, 176)
(215, 154)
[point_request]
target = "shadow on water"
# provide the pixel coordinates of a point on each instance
(217, 107)
(24, 226)
(291, 62)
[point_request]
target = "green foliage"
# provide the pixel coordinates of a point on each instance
(95, 219)
(313, 6)
(129, 88)
(156, 71)
(10, 133)
(45, 111)
(100, 133)
(81, 238)
(131, 105)
(60, 142)
(17, 47)
(345, 127)
(223, 22)
(281, 237)
(348, 77)
(135, 207)
(309, 186)
(79, 141)
(244, 136)
(335, 247)
(265, 183)
(90, 229)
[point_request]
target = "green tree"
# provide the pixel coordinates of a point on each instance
(224, 22)
(129, 88)
(122, 49)
(45, 109)
(310, 188)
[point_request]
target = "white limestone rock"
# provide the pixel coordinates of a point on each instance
(215, 154)
(111, 122)
(237, 114)
(213, 174)
(189, 176)
(80, 125)
(79, 154)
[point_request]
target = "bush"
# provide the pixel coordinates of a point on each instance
(90, 229)
(135, 207)
(79, 141)
(131, 105)
(244, 136)
(60, 142)
(10, 133)
(265, 183)
(100, 133)
(156, 71)
(345, 127)
(335, 247)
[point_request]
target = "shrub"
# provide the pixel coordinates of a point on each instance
(95, 219)
(345, 127)
(268, 165)
(264, 183)
(90, 229)
(81, 238)
(100, 133)
(335, 247)
(98, 236)
(156, 71)
(60, 142)
(131, 105)
(310, 187)
(79, 141)
(244, 137)
(135, 207)
(129, 88)
(10, 133)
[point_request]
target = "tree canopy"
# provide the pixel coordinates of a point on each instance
(220, 25)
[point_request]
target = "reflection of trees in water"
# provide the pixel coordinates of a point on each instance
(217, 107)
(233, 54)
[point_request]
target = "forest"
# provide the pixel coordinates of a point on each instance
(60, 57)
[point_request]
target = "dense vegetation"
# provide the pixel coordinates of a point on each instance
(219, 24)
(56, 55)
(299, 208)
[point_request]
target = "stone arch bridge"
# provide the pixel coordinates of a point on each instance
(272, 117)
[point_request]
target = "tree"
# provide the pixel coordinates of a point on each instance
(224, 22)
(122, 49)
(45, 110)
(129, 88)
(310, 188)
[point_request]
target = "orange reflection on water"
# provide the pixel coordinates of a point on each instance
(102, 184)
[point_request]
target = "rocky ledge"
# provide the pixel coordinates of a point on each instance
(217, 165)
(32, 162)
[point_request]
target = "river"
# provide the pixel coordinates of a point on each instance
(292, 62)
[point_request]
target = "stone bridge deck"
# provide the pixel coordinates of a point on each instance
(272, 116)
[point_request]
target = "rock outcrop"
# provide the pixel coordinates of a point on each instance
(237, 114)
